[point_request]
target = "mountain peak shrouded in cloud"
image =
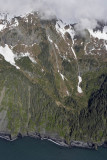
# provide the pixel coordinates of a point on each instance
(86, 12)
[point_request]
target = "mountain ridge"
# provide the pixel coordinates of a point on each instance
(50, 79)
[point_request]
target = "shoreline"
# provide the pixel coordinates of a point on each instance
(59, 142)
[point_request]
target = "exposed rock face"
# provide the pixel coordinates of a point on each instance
(52, 80)
(82, 144)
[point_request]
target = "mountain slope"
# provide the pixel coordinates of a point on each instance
(52, 80)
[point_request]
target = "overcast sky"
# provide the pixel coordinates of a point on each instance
(85, 11)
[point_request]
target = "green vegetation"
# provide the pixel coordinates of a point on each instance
(30, 108)
(38, 99)
(93, 119)
(44, 55)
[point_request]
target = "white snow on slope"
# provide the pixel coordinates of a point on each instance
(8, 55)
(60, 28)
(57, 48)
(99, 34)
(74, 53)
(106, 46)
(2, 26)
(79, 88)
(49, 39)
(105, 43)
(15, 24)
(25, 55)
(71, 32)
(63, 77)
(67, 93)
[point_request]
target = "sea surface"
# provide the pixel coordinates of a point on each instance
(33, 149)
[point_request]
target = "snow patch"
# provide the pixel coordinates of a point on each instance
(26, 20)
(33, 44)
(71, 32)
(8, 55)
(63, 77)
(85, 48)
(2, 27)
(16, 23)
(79, 82)
(26, 55)
(57, 49)
(67, 93)
(56, 46)
(42, 70)
(74, 53)
(50, 40)
(60, 28)
(105, 45)
(99, 34)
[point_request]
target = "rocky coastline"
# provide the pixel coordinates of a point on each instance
(58, 141)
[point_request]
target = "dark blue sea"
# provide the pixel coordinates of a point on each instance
(32, 149)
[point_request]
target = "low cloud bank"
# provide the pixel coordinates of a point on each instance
(85, 12)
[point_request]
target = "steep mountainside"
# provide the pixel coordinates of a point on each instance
(53, 81)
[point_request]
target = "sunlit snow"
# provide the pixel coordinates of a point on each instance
(74, 53)
(60, 28)
(15, 24)
(62, 76)
(106, 45)
(50, 40)
(8, 55)
(99, 34)
(67, 93)
(79, 88)
(26, 55)
(2, 26)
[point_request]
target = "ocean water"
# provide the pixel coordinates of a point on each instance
(32, 149)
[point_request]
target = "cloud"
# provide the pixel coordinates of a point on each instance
(86, 12)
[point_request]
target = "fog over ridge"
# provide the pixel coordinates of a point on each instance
(86, 12)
